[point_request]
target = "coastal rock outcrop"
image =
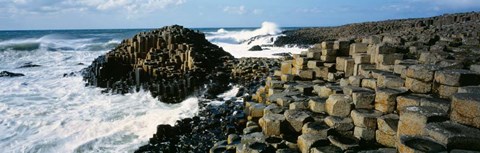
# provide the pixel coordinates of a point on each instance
(10, 74)
(172, 62)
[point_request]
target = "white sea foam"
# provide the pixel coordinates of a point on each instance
(222, 35)
(45, 112)
(237, 43)
(55, 42)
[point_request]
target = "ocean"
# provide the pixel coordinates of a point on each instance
(51, 110)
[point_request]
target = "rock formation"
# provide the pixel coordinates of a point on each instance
(422, 29)
(171, 62)
(411, 86)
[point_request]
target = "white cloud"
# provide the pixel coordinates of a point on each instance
(131, 8)
(235, 10)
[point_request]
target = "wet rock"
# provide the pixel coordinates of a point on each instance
(29, 65)
(255, 48)
(10, 74)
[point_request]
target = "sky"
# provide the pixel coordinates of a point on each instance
(108, 14)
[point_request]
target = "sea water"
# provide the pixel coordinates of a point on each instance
(51, 110)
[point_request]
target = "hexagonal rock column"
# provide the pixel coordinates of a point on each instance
(339, 123)
(363, 100)
(385, 99)
(466, 109)
(418, 144)
(387, 130)
(317, 128)
(414, 119)
(317, 105)
(365, 122)
(306, 141)
(419, 78)
(448, 81)
(344, 142)
(454, 135)
(297, 118)
(272, 124)
(338, 105)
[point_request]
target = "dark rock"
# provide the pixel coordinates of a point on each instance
(10, 74)
(172, 63)
(28, 65)
(255, 48)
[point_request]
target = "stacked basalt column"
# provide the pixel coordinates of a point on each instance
(167, 61)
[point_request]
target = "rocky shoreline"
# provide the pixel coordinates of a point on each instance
(401, 85)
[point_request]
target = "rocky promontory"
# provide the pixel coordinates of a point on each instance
(172, 62)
